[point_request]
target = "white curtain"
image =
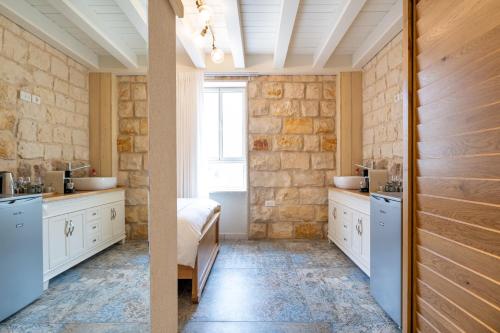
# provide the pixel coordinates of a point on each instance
(189, 155)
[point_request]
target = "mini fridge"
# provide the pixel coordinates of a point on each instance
(385, 251)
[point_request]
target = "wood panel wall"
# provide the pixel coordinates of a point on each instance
(457, 185)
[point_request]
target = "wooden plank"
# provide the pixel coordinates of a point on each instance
(467, 279)
(95, 122)
(466, 256)
(468, 54)
(433, 10)
(462, 122)
(477, 308)
(486, 240)
(435, 318)
(423, 325)
(232, 15)
(466, 167)
(471, 97)
(476, 213)
(477, 71)
(447, 309)
(478, 143)
(288, 13)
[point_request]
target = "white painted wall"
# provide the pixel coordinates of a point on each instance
(234, 216)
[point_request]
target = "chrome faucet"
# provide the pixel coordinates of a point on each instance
(80, 167)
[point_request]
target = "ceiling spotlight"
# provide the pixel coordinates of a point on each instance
(204, 10)
(217, 55)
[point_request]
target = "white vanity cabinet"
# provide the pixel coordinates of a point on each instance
(75, 227)
(349, 225)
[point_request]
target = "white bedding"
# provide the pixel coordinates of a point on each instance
(192, 215)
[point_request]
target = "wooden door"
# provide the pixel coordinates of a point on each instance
(456, 182)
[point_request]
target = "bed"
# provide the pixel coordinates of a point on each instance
(197, 241)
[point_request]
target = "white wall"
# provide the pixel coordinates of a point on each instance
(234, 216)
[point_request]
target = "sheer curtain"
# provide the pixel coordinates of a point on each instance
(190, 160)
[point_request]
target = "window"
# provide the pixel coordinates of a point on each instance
(223, 136)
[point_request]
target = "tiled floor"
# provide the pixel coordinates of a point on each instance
(255, 286)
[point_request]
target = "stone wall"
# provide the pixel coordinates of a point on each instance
(39, 137)
(383, 108)
(292, 148)
(133, 146)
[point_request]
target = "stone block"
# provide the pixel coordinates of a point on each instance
(7, 120)
(280, 230)
(313, 196)
(313, 90)
(47, 97)
(126, 109)
(141, 144)
(308, 178)
(258, 107)
(137, 231)
(253, 89)
(288, 142)
(259, 195)
(138, 179)
(304, 78)
(329, 90)
(321, 213)
(264, 125)
(82, 108)
(14, 47)
(79, 94)
(309, 230)
(285, 108)
(309, 108)
(272, 90)
(130, 161)
(130, 126)
(311, 142)
(124, 91)
(68, 152)
(264, 161)
(139, 91)
(262, 214)
(27, 129)
(61, 86)
(8, 96)
(324, 125)
(144, 126)
(122, 178)
(13, 73)
(296, 213)
(38, 58)
(77, 78)
(81, 153)
(124, 143)
(64, 102)
(295, 160)
(260, 142)
(294, 90)
(328, 142)
(62, 134)
(141, 109)
(257, 230)
(298, 126)
(30, 150)
(7, 146)
(382, 67)
(323, 161)
(270, 179)
(287, 196)
(59, 68)
(53, 152)
(136, 196)
(80, 138)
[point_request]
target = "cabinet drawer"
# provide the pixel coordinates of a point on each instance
(92, 240)
(346, 215)
(93, 214)
(92, 227)
(345, 234)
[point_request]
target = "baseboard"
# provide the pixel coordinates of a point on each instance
(243, 236)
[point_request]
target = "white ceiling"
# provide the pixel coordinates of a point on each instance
(111, 33)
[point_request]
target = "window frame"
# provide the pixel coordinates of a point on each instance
(220, 91)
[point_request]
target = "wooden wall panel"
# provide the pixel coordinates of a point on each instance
(456, 253)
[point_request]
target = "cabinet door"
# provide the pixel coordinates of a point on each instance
(57, 241)
(332, 219)
(338, 224)
(365, 237)
(106, 221)
(356, 243)
(77, 237)
(118, 218)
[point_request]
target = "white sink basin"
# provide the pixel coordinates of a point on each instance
(94, 183)
(347, 182)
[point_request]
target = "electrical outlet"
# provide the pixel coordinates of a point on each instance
(36, 99)
(25, 96)
(270, 203)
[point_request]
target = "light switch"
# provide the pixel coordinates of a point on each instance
(36, 99)
(25, 96)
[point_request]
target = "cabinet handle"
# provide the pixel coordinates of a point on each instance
(334, 212)
(94, 240)
(94, 214)
(360, 227)
(345, 239)
(66, 230)
(94, 227)
(72, 227)
(345, 226)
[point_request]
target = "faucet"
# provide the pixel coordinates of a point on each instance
(80, 167)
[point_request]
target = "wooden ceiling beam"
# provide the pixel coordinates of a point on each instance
(384, 32)
(137, 15)
(338, 30)
(234, 32)
(85, 19)
(27, 16)
(184, 34)
(288, 13)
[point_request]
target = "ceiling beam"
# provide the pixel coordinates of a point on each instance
(184, 34)
(38, 24)
(234, 32)
(384, 32)
(336, 33)
(137, 15)
(288, 13)
(84, 18)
